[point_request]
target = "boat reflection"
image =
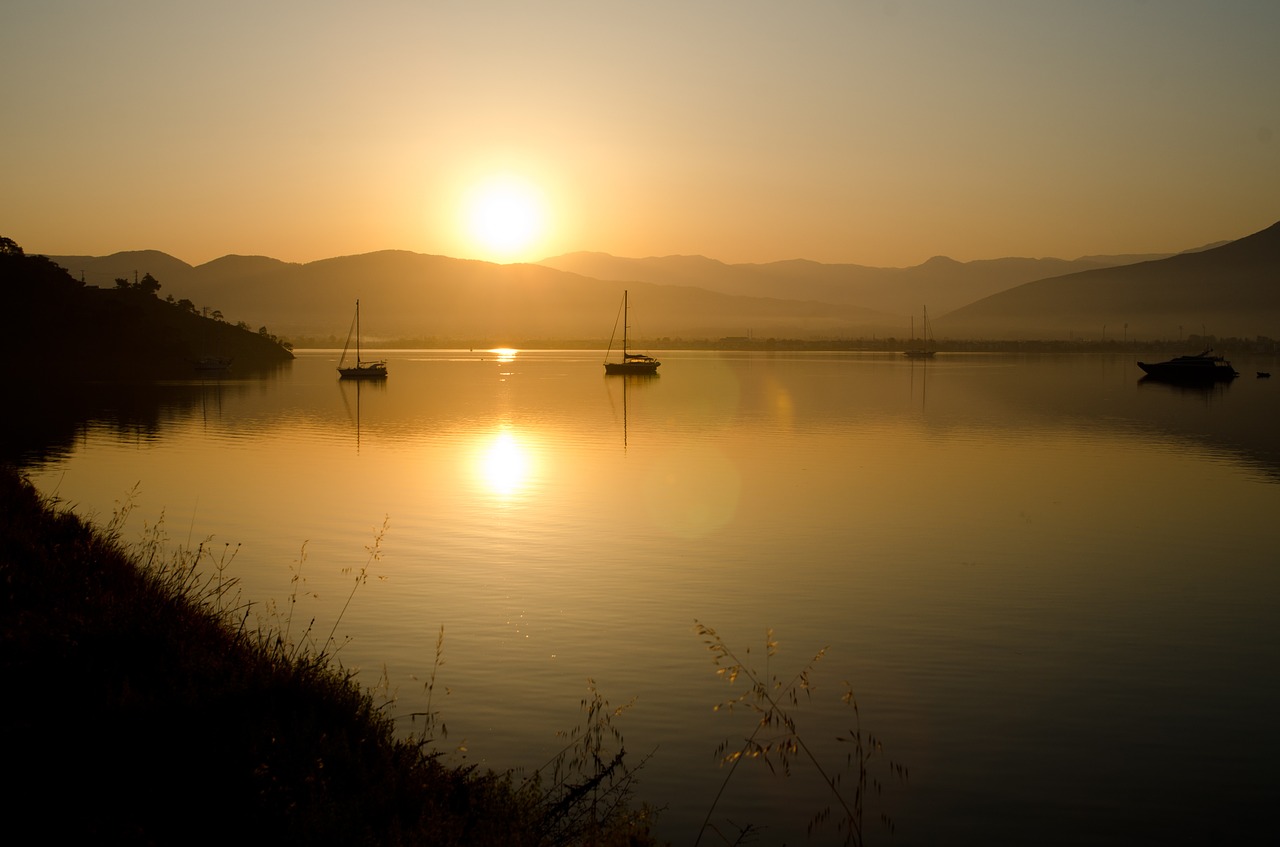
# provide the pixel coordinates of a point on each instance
(356, 386)
(630, 381)
(1187, 388)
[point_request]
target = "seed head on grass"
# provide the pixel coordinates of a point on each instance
(360, 578)
(776, 740)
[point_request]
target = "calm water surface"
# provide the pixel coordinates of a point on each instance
(1052, 588)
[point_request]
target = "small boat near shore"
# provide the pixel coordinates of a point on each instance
(1201, 367)
(213, 363)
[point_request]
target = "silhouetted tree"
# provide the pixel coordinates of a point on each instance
(34, 273)
(149, 284)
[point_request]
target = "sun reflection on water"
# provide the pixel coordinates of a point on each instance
(505, 464)
(505, 354)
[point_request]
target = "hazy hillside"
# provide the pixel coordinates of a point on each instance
(103, 271)
(409, 295)
(435, 298)
(942, 284)
(1230, 290)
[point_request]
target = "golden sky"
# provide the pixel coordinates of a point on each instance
(879, 133)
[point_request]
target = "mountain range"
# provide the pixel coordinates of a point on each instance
(1231, 290)
(1226, 289)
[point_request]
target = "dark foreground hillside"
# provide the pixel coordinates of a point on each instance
(68, 331)
(139, 713)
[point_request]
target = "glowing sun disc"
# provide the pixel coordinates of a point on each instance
(504, 217)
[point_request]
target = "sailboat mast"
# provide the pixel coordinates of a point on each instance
(626, 315)
(357, 332)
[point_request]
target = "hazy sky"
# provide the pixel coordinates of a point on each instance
(880, 132)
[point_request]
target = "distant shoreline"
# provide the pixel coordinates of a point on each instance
(861, 345)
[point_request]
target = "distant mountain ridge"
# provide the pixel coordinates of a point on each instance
(942, 283)
(1229, 290)
(445, 301)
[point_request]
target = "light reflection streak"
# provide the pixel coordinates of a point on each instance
(505, 464)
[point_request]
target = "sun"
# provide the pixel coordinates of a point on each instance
(505, 219)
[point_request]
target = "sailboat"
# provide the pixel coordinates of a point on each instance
(632, 363)
(361, 369)
(923, 351)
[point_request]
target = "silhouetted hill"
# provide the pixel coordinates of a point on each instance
(940, 283)
(67, 330)
(443, 301)
(1229, 290)
(103, 271)
(202, 285)
(446, 301)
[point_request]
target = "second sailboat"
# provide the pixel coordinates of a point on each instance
(632, 363)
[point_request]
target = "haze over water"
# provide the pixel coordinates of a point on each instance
(1051, 586)
(878, 133)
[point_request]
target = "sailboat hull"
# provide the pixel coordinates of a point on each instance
(634, 367)
(361, 369)
(633, 364)
(922, 350)
(368, 370)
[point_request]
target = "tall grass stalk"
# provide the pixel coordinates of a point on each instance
(200, 573)
(361, 576)
(590, 783)
(256, 723)
(296, 582)
(776, 741)
(432, 722)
